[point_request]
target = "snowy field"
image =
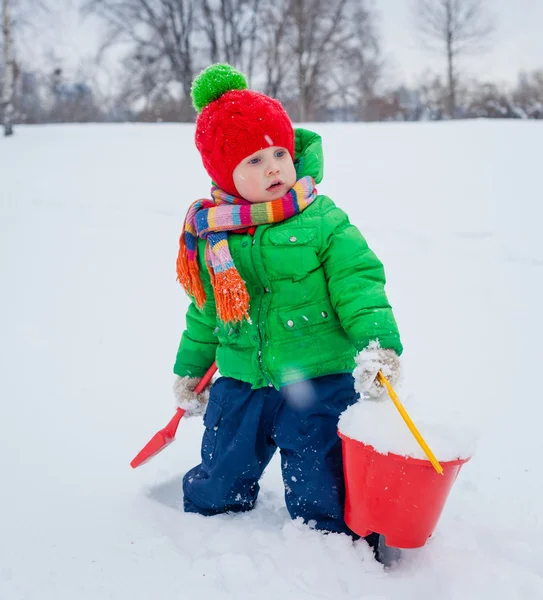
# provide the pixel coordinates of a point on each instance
(91, 316)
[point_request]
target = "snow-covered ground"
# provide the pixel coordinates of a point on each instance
(91, 316)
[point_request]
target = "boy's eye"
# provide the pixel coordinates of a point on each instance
(280, 153)
(254, 161)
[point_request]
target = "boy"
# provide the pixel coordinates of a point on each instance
(286, 293)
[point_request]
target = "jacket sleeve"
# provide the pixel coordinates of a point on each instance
(356, 284)
(198, 343)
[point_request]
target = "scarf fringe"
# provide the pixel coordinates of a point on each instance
(188, 274)
(231, 296)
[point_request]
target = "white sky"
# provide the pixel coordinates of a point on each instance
(517, 43)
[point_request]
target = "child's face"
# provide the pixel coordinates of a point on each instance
(265, 175)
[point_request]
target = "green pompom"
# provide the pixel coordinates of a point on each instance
(213, 82)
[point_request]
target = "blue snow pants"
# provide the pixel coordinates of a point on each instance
(244, 428)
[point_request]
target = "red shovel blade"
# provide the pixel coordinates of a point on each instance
(166, 436)
(162, 439)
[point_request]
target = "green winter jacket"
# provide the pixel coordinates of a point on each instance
(317, 296)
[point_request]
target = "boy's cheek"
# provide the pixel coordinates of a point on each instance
(255, 190)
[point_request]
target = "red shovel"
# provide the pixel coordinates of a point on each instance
(166, 436)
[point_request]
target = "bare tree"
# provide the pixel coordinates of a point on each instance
(21, 24)
(453, 28)
(528, 95)
(291, 48)
(160, 34)
(231, 29)
(8, 87)
(433, 95)
(275, 35)
(320, 28)
(169, 40)
(488, 101)
(358, 68)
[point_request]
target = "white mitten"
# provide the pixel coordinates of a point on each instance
(193, 404)
(371, 360)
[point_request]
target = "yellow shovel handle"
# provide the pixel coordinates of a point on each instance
(431, 457)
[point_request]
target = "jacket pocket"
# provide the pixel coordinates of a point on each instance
(300, 236)
(317, 314)
(292, 252)
(212, 418)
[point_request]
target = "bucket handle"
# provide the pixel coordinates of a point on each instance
(426, 449)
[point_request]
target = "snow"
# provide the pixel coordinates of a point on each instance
(91, 317)
(377, 423)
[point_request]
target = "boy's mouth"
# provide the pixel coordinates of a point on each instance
(274, 185)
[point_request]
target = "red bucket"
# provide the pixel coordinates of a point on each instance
(399, 497)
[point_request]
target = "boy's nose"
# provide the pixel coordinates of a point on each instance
(273, 168)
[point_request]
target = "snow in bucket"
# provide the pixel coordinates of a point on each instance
(377, 422)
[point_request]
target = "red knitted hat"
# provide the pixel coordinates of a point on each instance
(235, 122)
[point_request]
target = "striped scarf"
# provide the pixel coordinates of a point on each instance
(212, 220)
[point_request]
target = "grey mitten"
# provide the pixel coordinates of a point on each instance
(193, 404)
(369, 362)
